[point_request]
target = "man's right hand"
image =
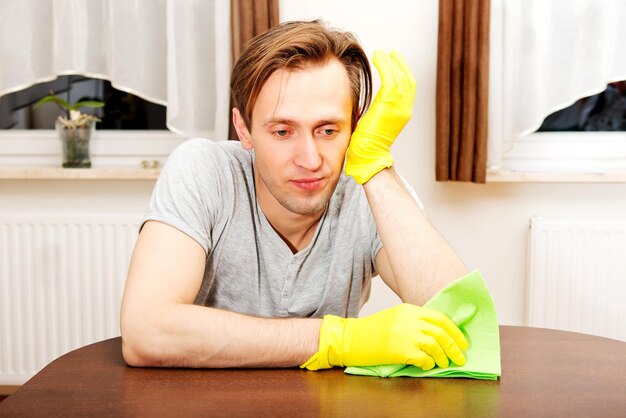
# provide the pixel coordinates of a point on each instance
(403, 334)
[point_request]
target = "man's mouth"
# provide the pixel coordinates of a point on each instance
(309, 183)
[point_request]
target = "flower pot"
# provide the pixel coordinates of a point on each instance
(75, 143)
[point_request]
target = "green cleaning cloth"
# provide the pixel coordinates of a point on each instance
(468, 303)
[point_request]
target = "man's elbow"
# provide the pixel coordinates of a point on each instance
(138, 348)
(132, 355)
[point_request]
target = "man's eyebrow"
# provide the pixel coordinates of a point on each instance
(331, 121)
(279, 121)
(286, 121)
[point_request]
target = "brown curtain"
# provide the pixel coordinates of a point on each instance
(462, 90)
(249, 18)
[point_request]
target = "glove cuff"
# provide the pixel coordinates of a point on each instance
(330, 345)
(364, 172)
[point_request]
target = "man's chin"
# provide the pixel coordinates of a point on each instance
(307, 209)
(309, 202)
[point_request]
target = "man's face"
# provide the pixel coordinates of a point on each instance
(300, 132)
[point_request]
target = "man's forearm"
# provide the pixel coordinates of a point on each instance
(181, 335)
(420, 258)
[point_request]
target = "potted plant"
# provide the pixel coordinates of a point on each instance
(74, 130)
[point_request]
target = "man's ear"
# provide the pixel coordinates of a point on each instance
(242, 131)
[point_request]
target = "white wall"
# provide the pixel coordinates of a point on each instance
(75, 195)
(486, 224)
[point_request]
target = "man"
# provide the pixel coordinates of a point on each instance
(260, 253)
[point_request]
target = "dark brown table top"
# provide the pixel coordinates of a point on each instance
(544, 373)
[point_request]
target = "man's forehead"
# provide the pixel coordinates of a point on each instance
(322, 90)
(332, 71)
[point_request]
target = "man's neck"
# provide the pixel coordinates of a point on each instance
(294, 229)
(297, 234)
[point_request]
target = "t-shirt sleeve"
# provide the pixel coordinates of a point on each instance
(187, 192)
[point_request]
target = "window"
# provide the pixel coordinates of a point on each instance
(122, 110)
(132, 130)
(587, 136)
(546, 56)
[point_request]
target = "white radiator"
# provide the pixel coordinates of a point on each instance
(577, 275)
(61, 283)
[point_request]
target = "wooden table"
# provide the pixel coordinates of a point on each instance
(544, 373)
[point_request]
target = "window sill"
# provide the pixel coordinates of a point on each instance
(563, 157)
(96, 173)
(508, 176)
(115, 155)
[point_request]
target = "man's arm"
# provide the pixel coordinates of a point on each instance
(415, 261)
(160, 326)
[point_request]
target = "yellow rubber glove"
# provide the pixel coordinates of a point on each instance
(369, 150)
(403, 334)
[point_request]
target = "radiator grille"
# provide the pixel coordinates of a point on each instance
(577, 275)
(61, 283)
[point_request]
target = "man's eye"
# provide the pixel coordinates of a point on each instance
(281, 133)
(328, 132)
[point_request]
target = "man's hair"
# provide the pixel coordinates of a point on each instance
(295, 46)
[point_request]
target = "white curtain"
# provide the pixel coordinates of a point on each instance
(172, 52)
(546, 54)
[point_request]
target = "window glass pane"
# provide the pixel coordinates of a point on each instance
(121, 110)
(604, 111)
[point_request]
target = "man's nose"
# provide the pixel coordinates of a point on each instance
(308, 155)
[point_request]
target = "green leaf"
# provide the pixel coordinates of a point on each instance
(87, 103)
(53, 99)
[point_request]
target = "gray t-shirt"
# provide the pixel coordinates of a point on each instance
(206, 190)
